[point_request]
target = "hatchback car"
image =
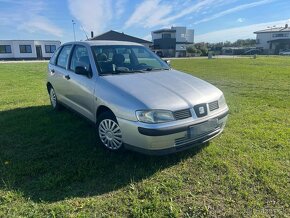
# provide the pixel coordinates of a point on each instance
(134, 98)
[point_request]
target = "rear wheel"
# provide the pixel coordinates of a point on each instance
(53, 99)
(109, 132)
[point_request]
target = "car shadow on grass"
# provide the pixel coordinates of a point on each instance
(51, 156)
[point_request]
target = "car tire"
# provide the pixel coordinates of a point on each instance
(109, 132)
(53, 99)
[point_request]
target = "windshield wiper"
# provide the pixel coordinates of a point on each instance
(154, 69)
(124, 71)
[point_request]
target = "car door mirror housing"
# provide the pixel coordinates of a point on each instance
(167, 62)
(82, 71)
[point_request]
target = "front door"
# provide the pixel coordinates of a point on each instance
(81, 86)
(38, 52)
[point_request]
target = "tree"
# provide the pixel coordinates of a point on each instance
(191, 49)
(202, 47)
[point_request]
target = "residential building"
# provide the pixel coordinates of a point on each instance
(116, 36)
(27, 49)
(172, 42)
(273, 40)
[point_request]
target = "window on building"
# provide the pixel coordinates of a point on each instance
(63, 56)
(25, 48)
(280, 35)
(50, 48)
(166, 36)
(5, 49)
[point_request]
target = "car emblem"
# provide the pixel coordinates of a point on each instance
(201, 110)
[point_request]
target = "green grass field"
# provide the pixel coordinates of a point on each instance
(49, 166)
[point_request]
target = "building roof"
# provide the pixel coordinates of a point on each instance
(286, 28)
(165, 30)
(116, 36)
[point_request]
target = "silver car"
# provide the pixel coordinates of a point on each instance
(135, 99)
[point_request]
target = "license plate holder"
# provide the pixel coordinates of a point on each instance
(202, 128)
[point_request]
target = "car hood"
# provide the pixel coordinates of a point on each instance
(172, 90)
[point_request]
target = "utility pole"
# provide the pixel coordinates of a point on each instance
(73, 23)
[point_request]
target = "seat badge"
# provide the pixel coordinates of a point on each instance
(201, 110)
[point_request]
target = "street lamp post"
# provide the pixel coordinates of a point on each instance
(73, 23)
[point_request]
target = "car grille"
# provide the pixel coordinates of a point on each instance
(213, 105)
(182, 114)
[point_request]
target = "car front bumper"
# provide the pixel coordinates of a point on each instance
(159, 139)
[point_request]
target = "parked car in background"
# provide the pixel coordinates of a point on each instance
(134, 98)
(285, 52)
(253, 52)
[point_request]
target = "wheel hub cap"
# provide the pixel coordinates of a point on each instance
(110, 134)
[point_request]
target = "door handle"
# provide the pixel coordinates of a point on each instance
(67, 77)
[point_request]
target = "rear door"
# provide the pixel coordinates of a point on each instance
(62, 75)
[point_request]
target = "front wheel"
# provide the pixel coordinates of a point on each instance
(109, 132)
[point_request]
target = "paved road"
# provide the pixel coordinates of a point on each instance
(214, 57)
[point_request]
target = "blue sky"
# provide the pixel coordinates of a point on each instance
(213, 20)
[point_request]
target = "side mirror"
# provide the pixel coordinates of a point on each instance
(82, 71)
(167, 62)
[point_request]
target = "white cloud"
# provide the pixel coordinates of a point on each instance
(148, 14)
(192, 9)
(152, 13)
(233, 34)
(120, 7)
(240, 20)
(28, 17)
(93, 15)
(39, 23)
(234, 9)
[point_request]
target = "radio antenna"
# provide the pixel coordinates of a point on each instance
(84, 32)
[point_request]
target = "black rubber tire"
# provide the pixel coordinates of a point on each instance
(57, 106)
(103, 116)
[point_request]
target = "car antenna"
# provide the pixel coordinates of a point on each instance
(84, 32)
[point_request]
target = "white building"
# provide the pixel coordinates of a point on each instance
(27, 49)
(273, 40)
(172, 42)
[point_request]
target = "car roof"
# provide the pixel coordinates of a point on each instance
(103, 42)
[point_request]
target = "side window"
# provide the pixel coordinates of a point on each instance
(54, 56)
(80, 58)
(63, 56)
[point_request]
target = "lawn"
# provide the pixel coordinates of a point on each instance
(50, 167)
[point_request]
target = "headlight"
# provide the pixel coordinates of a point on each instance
(155, 116)
(222, 101)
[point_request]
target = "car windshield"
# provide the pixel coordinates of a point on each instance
(119, 59)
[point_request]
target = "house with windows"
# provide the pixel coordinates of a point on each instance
(274, 39)
(172, 42)
(27, 49)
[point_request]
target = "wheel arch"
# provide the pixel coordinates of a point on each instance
(102, 109)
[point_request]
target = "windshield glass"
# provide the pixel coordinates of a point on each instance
(116, 59)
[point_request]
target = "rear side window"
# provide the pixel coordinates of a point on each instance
(63, 56)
